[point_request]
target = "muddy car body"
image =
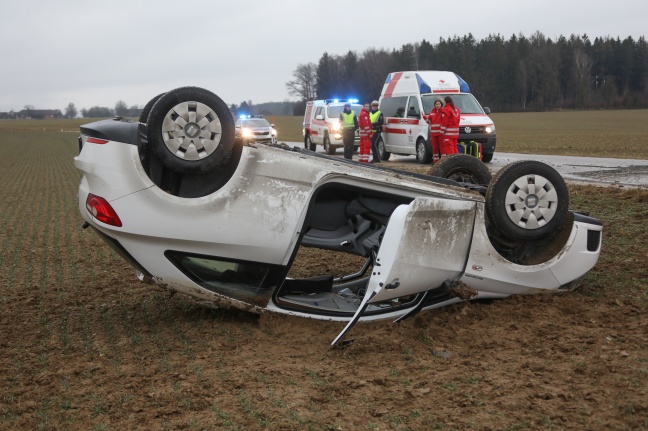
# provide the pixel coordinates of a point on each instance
(229, 231)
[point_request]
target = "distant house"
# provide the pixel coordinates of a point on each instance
(7, 115)
(39, 114)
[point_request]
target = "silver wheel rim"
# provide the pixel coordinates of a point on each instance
(531, 202)
(419, 151)
(191, 131)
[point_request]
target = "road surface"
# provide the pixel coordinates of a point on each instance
(604, 171)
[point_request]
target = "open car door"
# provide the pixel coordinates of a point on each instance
(425, 244)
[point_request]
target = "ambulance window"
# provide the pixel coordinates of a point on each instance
(413, 109)
(318, 112)
(389, 106)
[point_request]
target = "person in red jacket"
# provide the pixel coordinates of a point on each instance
(364, 125)
(449, 127)
(434, 120)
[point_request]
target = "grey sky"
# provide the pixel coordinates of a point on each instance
(95, 53)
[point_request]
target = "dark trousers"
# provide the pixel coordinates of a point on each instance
(348, 139)
(374, 147)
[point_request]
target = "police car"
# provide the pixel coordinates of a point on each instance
(255, 128)
(195, 211)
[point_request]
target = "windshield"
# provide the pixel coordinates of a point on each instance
(335, 111)
(465, 102)
(255, 122)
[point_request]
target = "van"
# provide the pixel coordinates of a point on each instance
(322, 126)
(407, 96)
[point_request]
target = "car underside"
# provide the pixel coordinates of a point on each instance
(197, 211)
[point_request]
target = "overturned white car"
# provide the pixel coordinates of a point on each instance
(196, 211)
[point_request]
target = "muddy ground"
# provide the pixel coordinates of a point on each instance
(85, 346)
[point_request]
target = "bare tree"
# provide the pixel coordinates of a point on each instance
(304, 84)
(121, 109)
(71, 111)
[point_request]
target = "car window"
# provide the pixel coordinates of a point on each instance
(335, 111)
(389, 106)
(465, 102)
(413, 108)
(256, 122)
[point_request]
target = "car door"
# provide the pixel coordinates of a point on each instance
(425, 243)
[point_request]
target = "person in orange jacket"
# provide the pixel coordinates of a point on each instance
(434, 120)
(364, 125)
(449, 128)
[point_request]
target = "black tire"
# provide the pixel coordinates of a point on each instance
(308, 144)
(527, 200)
(179, 136)
(384, 155)
(461, 168)
(143, 118)
(423, 151)
(326, 143)
(487, 157)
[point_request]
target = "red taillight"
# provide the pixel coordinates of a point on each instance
(97, 141)
(102, 211)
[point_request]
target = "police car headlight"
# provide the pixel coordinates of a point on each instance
(489, 129)
(246, 133)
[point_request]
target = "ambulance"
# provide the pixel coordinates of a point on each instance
(407, 96)
(322, 124)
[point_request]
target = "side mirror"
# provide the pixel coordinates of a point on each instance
(486, 110)
(319, 117)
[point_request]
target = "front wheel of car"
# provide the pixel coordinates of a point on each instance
(423, 152)
(527, 200)
(382, 153)
(461, 168)
(487, 157)
(326, 143)
(190, 130)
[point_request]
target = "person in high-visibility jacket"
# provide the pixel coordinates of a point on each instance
(349, 123)
(377, 120)
(364, 124)
(434, 120)
(449, 127)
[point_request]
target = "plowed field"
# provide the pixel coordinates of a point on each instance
(85, 346)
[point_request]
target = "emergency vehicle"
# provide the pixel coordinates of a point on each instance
(407, 96)
(322, 124)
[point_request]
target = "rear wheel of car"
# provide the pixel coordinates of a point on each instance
(308, 144)
(487, 157)
(423, 152)
(190, 130)
(527, 200)
(143, 118)
(461, 168)
(326, 143)
(384, 155)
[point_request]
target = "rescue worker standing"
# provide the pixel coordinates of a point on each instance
(434, 120)
(377, 120)
(449, 128)
(365, 134)
(349, 123)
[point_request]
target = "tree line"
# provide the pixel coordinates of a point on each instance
(521, 73)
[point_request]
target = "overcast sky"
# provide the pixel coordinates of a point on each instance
(94, 53)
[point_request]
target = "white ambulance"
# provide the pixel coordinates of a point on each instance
(322, 124)
(407, 96)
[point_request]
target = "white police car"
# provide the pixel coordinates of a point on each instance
(255, 128)
(195, 211)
